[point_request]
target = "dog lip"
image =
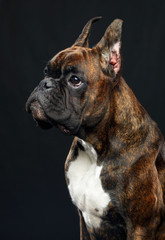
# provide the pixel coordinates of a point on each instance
(64, 129)
(36, 110)
(27, 107)
(43, 124)
(34, 107)
(32, 99)
(38, 115)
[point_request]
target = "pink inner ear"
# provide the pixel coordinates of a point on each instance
(115, 58)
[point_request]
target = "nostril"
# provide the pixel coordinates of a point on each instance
(47, 84)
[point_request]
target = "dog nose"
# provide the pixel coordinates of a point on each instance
(47, 83)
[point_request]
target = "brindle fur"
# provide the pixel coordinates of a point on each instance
(129, 145)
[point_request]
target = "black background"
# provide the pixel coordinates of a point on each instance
(35, 203)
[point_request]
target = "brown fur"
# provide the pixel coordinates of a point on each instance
(125, 131)
(128, 143)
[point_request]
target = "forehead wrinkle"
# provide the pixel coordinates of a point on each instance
(70, 57)
(73, 59)
(73, 56)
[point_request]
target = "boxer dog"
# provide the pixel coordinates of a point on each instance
(115, 170)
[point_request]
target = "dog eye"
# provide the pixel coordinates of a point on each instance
(75, 81)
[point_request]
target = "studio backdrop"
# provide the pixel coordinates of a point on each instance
(35, 203)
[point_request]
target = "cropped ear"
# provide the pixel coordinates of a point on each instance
(82, 40)
(110, 45)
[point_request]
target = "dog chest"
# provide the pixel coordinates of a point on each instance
(85, 186)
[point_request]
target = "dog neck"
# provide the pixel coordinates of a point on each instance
(125, 122)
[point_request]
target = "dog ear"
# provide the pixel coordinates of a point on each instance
(82, 40)
(109, 47)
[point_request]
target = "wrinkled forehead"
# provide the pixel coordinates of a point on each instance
(74, 56)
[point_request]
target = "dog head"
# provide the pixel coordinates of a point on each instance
(75, 91)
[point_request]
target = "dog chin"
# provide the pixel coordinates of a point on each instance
(43, 124)
(64, 130)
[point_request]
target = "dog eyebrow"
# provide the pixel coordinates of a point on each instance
(69, 69)
(53, 71)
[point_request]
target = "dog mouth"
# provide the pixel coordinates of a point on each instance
(63, 129)
(42, 119)
(38, 115)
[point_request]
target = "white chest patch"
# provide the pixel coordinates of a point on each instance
(85, 186)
